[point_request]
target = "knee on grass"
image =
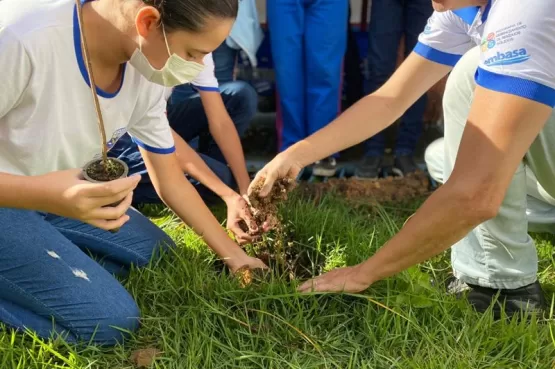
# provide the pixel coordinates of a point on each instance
(110, 322)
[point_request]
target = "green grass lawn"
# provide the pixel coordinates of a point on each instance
(201, 318)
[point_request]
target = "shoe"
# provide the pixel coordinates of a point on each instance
(369, 168)
(325, 168)
(403, 165)
(513, 302)
(524, 299)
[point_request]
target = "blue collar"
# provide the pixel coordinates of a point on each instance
(80, 60)
(468, 15)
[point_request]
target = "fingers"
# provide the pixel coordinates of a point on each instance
(108, 200)
(269, 181)
(308, 286)
(113, 212)
(113, 188)
(241, 236)
(246, 216)
(109, 224)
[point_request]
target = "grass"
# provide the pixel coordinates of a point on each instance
(201, 318)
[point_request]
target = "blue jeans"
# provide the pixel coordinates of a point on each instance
(51, 284)
(188, 119)
(389, 20)
(308, 40)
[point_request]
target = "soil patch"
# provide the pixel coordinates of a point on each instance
(380, 191)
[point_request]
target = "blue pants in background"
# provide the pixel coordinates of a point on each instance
(308, 40)
(389, 20)
(188, 119)
(50, 285)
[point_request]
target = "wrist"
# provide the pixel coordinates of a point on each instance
(369, 271)
(298, 154)
(229, 195)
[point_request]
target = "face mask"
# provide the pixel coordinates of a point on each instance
(177, 70)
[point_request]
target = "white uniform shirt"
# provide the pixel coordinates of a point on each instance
(47, 116)
(517, 41)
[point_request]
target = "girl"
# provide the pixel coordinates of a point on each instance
(48, 130)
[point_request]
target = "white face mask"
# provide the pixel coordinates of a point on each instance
(177, 70)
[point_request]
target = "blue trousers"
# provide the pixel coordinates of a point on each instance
(188, 119)
(389, 20)
(308, 41)
(50, 285)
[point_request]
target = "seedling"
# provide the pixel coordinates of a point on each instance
(104, 169)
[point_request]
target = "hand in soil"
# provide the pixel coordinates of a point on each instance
(67, 195)
(265, 208)
(240, 220)
(247, 276)
(245, 262)
(350, 279)
(282, 167)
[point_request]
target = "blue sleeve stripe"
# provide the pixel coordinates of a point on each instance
(435, 55)
(203, 88)
(153, 149)
(516, 86)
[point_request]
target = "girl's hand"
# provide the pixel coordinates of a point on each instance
(237, 213)
(66, 194)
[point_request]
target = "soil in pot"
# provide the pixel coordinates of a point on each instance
(97, 171)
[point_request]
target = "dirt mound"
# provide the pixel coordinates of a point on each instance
(265, 209)
(380, 191)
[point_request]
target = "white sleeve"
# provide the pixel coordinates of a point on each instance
(16, 70)
(445, 39)
(519, 57)
(152, 131)
(206, 80)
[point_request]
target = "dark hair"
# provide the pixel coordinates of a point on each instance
(190, 15)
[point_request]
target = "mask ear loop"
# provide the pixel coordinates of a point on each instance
(166, 39)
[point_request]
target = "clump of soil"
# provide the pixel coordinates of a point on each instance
(101, 171)
(380, 191)
(265, 209)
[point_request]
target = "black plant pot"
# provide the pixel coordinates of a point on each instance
(95, 172)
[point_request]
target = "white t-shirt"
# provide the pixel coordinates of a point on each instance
(47, 116)
(517, 41)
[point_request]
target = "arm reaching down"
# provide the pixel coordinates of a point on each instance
(226, 136)
(364, 119)
(499, 131)
(237, 208)
(179, 195)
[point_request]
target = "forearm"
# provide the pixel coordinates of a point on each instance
(228, 141)
(374, 112)
(443, 220)
(20, 192)
(192, 164)
(179, 195)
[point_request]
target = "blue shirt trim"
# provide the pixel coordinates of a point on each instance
(436, 55)
(516, 86)
(202, 88)
(468, 14)
(81, 62)
(156, 150)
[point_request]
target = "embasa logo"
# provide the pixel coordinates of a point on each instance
(507, 58)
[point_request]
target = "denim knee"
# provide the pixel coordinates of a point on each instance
(116, 317)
